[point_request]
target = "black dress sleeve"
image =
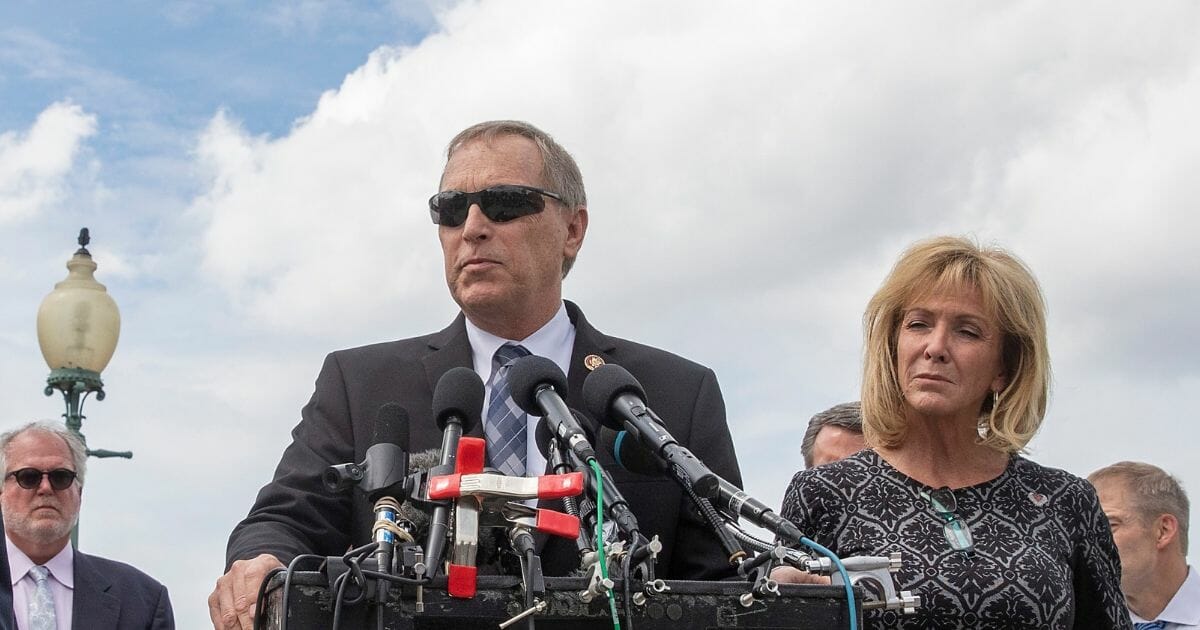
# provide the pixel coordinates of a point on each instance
(1099, 602)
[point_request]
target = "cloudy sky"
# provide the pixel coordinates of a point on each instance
(255, 180)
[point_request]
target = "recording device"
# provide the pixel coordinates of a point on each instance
(538, 386)
(457, 405)
(613, 396)
(730, 499)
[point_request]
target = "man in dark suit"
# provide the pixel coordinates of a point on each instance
(6, 612)
(511, 218)
(55, 586)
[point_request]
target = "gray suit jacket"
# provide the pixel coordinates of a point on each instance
(294, 514)
(114, 595)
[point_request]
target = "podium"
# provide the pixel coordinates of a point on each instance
(674, 604)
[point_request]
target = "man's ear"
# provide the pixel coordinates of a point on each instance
(1166, 530)
(576, 230)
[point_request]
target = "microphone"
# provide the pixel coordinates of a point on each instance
(557, 462)
(385, 466)
(538, 386)
(457, 405)
(382, 476)
(730, 499)
(413, 514)
(614, 396)
(614, 502)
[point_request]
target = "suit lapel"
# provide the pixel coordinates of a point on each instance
(449, 349)
(588, 342)
(92, 605)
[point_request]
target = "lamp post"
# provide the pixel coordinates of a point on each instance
(78, 325)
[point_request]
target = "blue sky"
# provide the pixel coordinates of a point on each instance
(254, 176)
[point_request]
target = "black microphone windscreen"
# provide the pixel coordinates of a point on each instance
(527, 374)
(391, 425)
(630, 454)
(602, 386)
(459, 393)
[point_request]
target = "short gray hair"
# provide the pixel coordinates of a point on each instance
(846, 415)
(559, 169)
(1153, 492)
(51, 427)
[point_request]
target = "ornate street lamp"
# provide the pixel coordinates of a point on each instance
(78, 325)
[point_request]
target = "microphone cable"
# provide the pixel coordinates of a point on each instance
(612, 600)
(287, 586)
(715, 521)
(837, 562)
(263, 591)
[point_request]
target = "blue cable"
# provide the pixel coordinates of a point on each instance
(845, 578)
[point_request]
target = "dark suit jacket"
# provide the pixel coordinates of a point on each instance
(7, 622)
(294, 514)
(110, 594)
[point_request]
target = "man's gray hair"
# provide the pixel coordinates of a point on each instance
(846, 416)
(1152, 491)
(74, 444)
(559, 169)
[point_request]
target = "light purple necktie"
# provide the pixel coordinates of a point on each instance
(41, 606)
(505, 429)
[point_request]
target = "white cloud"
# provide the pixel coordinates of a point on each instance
(753, 170)
(35, 165)
(750, 168)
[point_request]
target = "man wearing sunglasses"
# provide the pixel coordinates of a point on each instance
(54, 585)
(511, 216)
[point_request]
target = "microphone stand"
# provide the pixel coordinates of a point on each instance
(558, 462)
(532, 579)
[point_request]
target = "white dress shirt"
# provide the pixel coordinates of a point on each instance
(61, 581)
(554, 341)
(1183, 611)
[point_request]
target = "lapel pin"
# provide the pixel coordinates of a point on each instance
(592, 361)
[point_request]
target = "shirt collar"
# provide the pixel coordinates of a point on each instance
(1184, 607)
(545, 342)
(62, 565)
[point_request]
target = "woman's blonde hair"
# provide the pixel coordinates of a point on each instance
(1011, 297)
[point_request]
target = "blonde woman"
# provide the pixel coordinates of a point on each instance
(955, 383)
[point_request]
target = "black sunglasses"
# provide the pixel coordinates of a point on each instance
(31, 478)
(498, 203)
(955, 529)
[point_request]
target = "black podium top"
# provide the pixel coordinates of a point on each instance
(673, 604)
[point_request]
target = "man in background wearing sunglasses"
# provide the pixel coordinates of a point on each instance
(52, 583)
(511, 217)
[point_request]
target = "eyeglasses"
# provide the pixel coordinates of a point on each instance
(498, 203)
(31, 478)
(956, 530)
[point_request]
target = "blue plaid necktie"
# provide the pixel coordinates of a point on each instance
(505, 430)
(1149, 625)
(41, 606)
